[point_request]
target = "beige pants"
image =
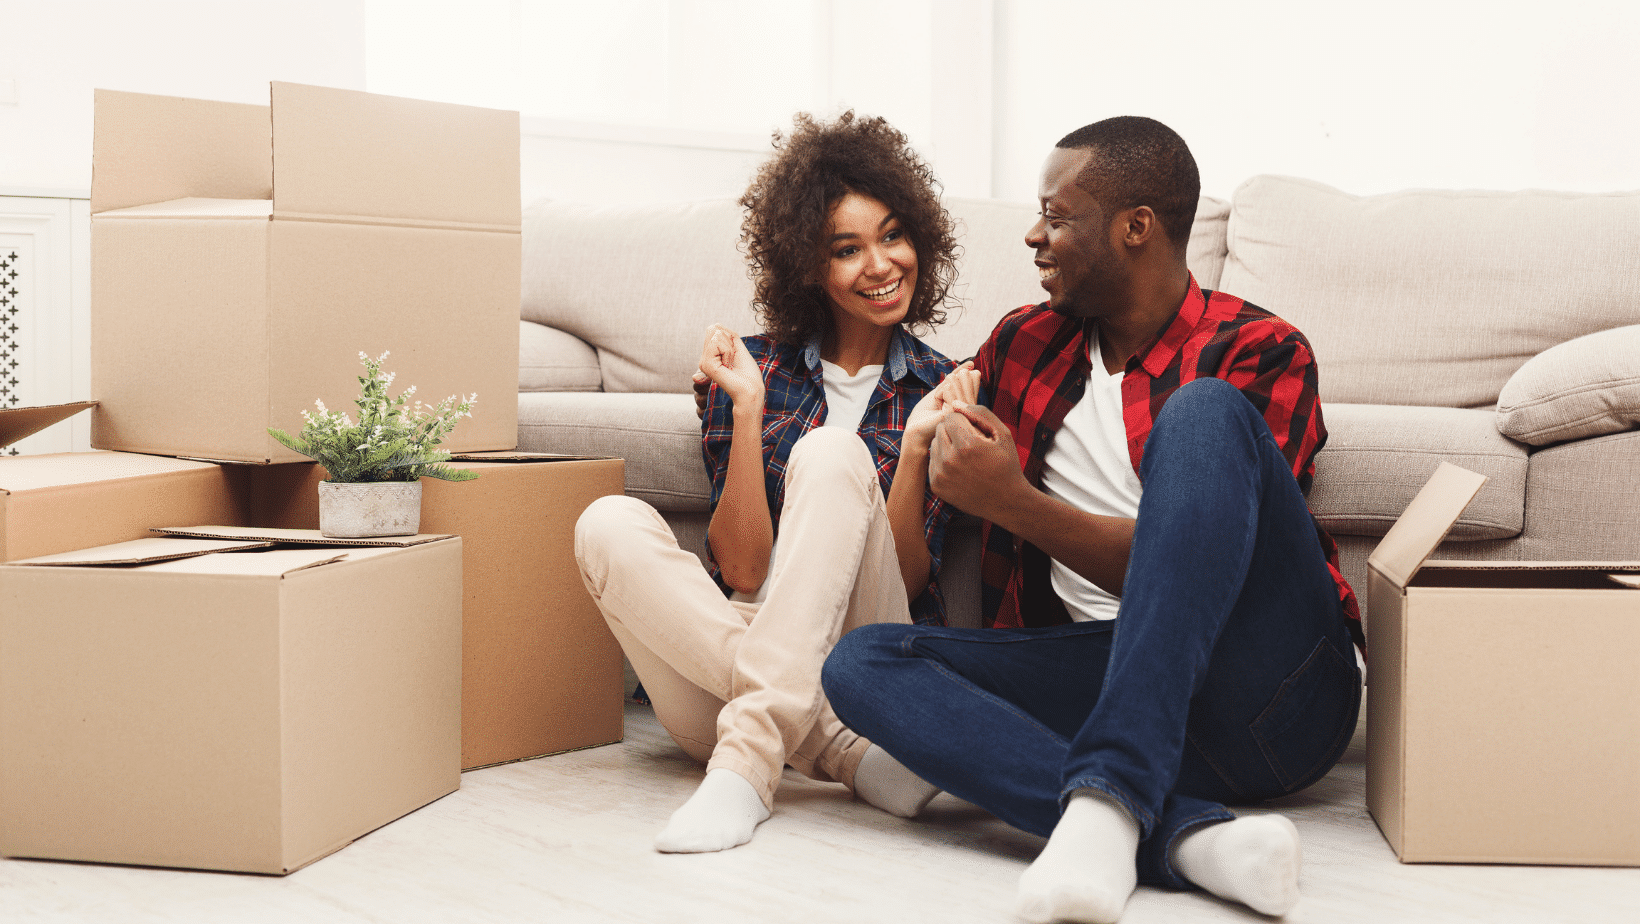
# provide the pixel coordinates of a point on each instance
(738, 684)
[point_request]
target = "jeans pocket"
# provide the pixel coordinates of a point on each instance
(1308, 724)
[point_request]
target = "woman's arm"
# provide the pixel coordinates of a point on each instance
(906, 495)
(741, 533)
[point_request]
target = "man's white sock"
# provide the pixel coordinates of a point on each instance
(884, 782)
(1087, 872)
(1253, 860)
(722, 813)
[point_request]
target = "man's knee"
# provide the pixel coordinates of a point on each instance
(1205, 409)
(832, 450)
(857, 656)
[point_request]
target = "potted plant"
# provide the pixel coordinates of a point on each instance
(375, 466)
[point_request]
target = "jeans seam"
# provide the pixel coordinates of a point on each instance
(1218, 770)
(1290, 782)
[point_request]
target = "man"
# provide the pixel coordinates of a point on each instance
(1168, 628)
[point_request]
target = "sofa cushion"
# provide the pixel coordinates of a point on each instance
(637, 282)
(640, 283)
(1378, 457)
(657, 434)
(1432, 297)
(1582, 388)
(551, 360)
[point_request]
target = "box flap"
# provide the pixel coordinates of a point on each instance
(140, 552)
(1425, 522)
(18, 422)
(149, 148)
(261, 563)
(251, 209)
(294, 536)
(354, 156)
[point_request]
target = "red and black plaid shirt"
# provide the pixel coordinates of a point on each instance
(1035, 366)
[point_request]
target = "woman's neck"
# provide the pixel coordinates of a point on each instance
(856, 348)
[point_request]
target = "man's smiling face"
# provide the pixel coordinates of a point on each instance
(1079, 264)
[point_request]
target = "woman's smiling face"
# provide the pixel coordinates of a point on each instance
(870, 269)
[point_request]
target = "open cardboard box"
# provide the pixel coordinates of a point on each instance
(225, 704)
(71, 500)
(1503, 715)
(243, 256)
(541, 672)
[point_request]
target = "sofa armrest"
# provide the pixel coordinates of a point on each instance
(552, 360)
(1588, 386)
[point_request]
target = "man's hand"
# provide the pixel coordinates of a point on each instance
(724, 360)
(975, 464)
(701, 384)
(958, 389)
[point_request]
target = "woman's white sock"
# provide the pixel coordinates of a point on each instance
(884, 782)
(722, 813)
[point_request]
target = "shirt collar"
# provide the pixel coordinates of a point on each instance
(906, 354)
(1159, 356)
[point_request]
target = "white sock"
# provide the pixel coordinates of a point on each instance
(885, 783)
(722, 813)
(1087, 871)
(1253, 860)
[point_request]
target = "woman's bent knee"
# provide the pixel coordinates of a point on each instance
(830, 449)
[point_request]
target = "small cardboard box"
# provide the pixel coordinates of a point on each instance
(170, 702)
(243, 256)
(540, 671)
(1503, 711)
(71, 500)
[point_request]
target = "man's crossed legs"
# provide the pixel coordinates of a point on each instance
(1228, 677)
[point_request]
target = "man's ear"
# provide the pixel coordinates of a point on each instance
(1140, 225)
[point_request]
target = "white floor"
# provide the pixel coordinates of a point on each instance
(566, 838)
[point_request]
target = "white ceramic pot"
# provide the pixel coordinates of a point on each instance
(376, 508)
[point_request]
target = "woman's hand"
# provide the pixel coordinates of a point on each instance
(959, 389)
(725, 360)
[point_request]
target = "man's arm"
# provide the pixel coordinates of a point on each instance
(975, 466)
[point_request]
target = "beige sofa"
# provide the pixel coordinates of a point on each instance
(1499, 331)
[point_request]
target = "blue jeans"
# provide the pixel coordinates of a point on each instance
(1228, 677)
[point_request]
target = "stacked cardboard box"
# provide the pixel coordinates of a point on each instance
(242, 257)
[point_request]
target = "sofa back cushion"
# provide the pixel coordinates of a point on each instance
(637, 282)
(640, 283)
(1432, 297)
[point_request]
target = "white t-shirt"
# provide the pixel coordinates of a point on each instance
(1088, 467)
(848, 396)
(847, 399)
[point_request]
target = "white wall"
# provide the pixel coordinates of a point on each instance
(1368, 97)
(53, 53)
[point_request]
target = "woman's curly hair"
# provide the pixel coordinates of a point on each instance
(789, 205)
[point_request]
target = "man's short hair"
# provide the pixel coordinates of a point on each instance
(1140, 161)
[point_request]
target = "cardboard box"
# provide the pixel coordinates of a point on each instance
(1503, 711)
(71, 500)
(540, 671)
(243, 256)
(249, 711)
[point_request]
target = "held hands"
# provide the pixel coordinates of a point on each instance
(959, 389)
(974, 463)
(725, 360)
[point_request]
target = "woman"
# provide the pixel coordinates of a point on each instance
(821, 518)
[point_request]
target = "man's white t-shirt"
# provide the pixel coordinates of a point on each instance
(848, 397)
(1088, 467)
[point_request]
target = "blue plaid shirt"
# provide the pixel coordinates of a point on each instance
(795, 403)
